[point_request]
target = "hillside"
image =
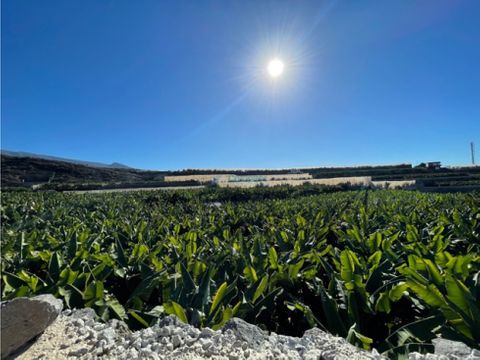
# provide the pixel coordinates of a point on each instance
(27, 171)
(23, 154)
(61, 175)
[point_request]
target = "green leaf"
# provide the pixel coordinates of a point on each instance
(301, 222)
(294, 269)
(397, 292)
(117, 308)
(54, 265)
(227, 314)
(172, 308)
(458, 293)
(434, 272)
(349, 261)
(383, 303)
(145, 288)
(417, 331)
(375, 258)
(308, 313)
(203, 292)
(218, 297)
(250, 273)
(332, 314)
(67, 276)
(66, 294)
(139, 252)
(137, 317)
(428, 293)
(72, 246)
(273, 257)
(188, 283)
(122, 259)
(354, 337)
(93, 293)
(261, 288)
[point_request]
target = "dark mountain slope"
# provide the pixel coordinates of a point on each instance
(114, 165)
(26, 171)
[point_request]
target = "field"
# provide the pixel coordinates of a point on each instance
(21, 173)
(388, 269)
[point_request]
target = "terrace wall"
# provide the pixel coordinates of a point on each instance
(364, 180)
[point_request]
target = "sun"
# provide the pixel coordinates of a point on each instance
(275, 68)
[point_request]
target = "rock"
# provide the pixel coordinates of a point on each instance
(475, 354)
(145, 354)
(78, 323)
(119, 326)
(132, 354)
(190, 341)
(154, 356)
(206, 344)
(137, 344)
(315, 336)
(313, 354)
(451, 348)
(156, 347)
(193, 332)
(98, 327)
(329, 355)
(108, 335)
(149, 333)
(178, 331)
(176, 341)
(84, 314)
(300, 348)
(472, 356)
(146, 343)
(164, 331)
(79, 352)
(170, 320)
(249, 333)
(25, 318)
(206, 333)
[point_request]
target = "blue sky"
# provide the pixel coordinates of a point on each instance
(182, 84)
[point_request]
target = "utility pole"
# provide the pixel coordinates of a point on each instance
(472, 150)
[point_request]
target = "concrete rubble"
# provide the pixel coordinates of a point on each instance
(77, 334)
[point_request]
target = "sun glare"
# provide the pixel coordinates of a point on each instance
(275, 68)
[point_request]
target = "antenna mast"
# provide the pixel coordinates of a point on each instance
(472, 150)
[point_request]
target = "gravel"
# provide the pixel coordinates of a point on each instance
(76, 335)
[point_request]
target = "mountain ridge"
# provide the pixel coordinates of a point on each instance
(113, 165)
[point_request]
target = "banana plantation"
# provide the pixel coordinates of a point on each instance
(388, 269)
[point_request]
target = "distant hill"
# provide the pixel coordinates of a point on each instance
(114, 165)
(27, 171)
